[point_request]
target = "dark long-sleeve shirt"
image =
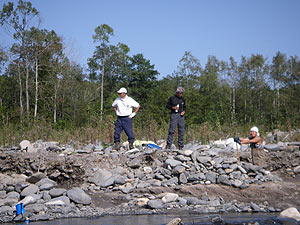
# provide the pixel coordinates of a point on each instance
(175, 100)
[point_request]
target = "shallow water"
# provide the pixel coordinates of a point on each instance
(188, 219)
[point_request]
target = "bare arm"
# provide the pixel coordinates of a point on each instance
(257, 140)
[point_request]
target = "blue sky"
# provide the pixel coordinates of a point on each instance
(162, 30)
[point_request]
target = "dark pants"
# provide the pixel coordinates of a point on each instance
(123, 123)
(176, 120)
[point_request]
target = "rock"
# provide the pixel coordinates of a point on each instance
(27, 146)
(2, 194)
(273, 147)
(34, 178)
(176, 221)
(47, 186)
(147, 169)
(182, 178)
(46, 181)
(31, 189)
(237, 183)
(13, 194)
(290, 213)
(100, 177)
(211, 176)
(62, 200)
(35, 208)
(135, 163)
(141, 202)
(79, 196)
(173, 163)
(297, 170)
(169, 197)
(27, 200)
(155, 204)
(203, 159)
(178, 170)
(56, 192)
(224, 179)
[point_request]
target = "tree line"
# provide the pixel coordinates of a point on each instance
(39, 84)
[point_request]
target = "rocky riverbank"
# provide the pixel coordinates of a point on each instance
(55, 180)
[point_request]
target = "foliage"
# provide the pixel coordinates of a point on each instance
(65, 103)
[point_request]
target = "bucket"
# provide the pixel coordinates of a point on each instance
(20, 209)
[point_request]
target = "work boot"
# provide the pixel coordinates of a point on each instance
(117, 146)
(131, 146)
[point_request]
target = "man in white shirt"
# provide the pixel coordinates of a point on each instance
(123, 107)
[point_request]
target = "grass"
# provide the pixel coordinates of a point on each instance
(12, 135)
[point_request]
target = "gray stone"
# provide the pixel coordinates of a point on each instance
(6, 209)
(155, 204)
(47, 186)
(46, 196)
(273, 147)
(56, 192)
(224, 179)
(196, 177)
(35, 208)
(182, 201)
(170, 197)
(297, 170)
(31, 189)
(79, 196)
(100, 176)
(237, 183)
(13, 194)
(34, 178)
(2, 194)
(135, 163)
(211, 176)
(172, 162)
(178, 170)
(203, 159)
(182, 178)
(46, 181)
(61, 200)
(20, 186)
(28, 200)
(171, 181)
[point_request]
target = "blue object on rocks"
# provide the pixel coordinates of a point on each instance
(153, 146)
(20, 209)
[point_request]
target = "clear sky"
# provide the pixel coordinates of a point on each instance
(162, 30)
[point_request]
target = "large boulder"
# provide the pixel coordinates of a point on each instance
(78, 196)
(290, 213)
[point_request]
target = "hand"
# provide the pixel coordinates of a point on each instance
(132, 115)
(237, 140)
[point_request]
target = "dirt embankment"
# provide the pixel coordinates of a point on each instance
(74, 170)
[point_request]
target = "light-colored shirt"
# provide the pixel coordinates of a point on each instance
(124, 105)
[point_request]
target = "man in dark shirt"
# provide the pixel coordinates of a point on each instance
(177, 106)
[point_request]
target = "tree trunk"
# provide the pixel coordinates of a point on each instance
(27, 87)
(101, 101)
(36, 87)
(54, 104)
(20, 96)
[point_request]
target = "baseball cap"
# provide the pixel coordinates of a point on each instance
(122, 90)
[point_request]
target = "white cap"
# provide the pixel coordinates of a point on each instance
(122, 90)
(255, 129)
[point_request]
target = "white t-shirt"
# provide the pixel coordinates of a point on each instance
(124, 105)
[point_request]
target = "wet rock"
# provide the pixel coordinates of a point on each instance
(290, 213)
(176, 221)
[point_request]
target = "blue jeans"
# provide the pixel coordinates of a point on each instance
(123, 123)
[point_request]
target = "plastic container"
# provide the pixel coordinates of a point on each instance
(153, 146)
(20, 209)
